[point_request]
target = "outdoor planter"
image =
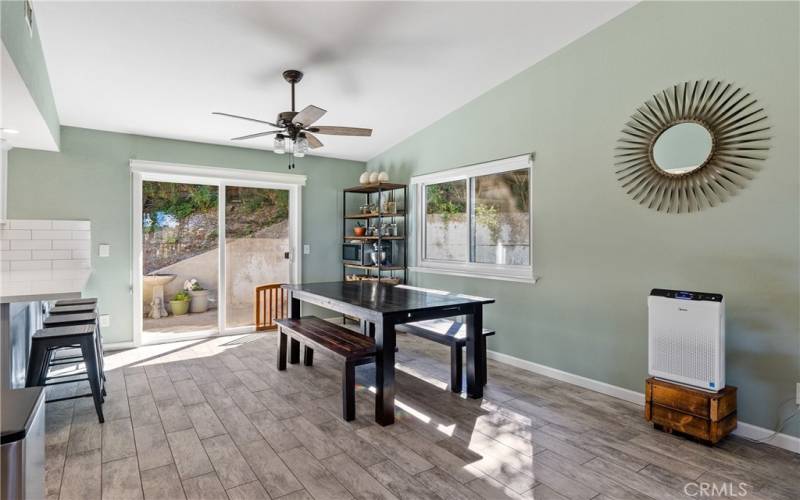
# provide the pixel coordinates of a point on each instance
(179, 307)
(199, 302)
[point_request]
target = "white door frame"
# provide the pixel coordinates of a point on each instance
(142, 170)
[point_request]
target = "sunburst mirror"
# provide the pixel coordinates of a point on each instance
(692, 146)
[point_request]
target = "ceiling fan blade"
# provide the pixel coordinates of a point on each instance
(313, 142)
(308, 115)
(244, 118)
(365, 132)
(253, 136)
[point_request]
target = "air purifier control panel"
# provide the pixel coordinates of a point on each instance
(683, 295)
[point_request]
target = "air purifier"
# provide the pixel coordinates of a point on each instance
(686, 338)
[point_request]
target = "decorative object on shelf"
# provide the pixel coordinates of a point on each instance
(383, 176)
(180, 303)
(364, 179)
(295, 133)
(364, 209)
(359, 229)
(373, 177)
(378, 255)
(692, 146)
(198, 294)
(707, 416)
(389, 206)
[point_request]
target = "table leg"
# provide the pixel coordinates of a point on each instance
(384, 372)
(475, 364)
(294, 346)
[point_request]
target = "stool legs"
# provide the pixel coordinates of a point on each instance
(349, 392)
(37, 366)
(281, 350)
(89, 350)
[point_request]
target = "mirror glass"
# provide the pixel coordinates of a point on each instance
(682, 148)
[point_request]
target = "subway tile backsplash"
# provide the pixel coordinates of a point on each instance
(44, 256)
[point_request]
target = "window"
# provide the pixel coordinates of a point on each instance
(476, 220)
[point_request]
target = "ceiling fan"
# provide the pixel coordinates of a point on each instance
(296, 127)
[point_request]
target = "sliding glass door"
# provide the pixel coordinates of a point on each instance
(180, 251)
(202, 244)
(257, 247)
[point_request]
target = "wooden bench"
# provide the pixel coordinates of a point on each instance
(315, 333)
(450, 333)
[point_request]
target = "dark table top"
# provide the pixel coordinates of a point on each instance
(18, 410)
(386, 298)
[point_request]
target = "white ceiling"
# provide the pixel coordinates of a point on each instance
(161, 68)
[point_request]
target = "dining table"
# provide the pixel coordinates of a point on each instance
(383, 307)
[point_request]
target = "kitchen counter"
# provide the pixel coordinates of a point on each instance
(20, 317)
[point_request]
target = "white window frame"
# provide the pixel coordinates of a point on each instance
(142, 170)
(506, 272)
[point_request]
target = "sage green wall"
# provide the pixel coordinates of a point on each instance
(599, 253)
(26, 51)
(90, 179)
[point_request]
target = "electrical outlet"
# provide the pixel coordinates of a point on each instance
(306, 249)
(105, 320)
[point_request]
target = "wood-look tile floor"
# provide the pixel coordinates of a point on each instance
(214, 419)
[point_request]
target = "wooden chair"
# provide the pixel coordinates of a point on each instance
(272, 302)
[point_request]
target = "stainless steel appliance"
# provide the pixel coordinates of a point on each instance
(360, 253)
(22, 456)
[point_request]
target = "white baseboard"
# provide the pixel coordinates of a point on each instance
(743, 429)
(118, 346)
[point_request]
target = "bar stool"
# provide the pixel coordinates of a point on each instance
(45, 341)
(84, 318)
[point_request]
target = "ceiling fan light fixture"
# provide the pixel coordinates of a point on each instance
(300, 146)
(279, 147)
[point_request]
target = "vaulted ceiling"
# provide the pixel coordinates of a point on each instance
(161, 68)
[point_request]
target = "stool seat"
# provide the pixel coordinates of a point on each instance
(77, 308)
(59, 332)
(69, 319)
(76, 302)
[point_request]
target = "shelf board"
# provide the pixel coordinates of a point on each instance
(362, 238)
(380, 268)
(374, 215)
(374, 188)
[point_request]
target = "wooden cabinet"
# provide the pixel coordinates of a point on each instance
(706, 416)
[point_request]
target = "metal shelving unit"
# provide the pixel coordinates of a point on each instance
(373, 193)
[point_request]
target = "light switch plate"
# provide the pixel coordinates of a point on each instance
(306, 249)
(103, 250)
(105, 320)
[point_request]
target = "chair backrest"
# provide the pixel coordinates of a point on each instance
(271, 303)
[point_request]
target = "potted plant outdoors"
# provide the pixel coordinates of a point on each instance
(359, 229)
(180, 303)
(199, 296)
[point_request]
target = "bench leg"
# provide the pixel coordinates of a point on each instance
(281, 350)
(294, 351)
(456, 368)
(349, 392)
(308, 356)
